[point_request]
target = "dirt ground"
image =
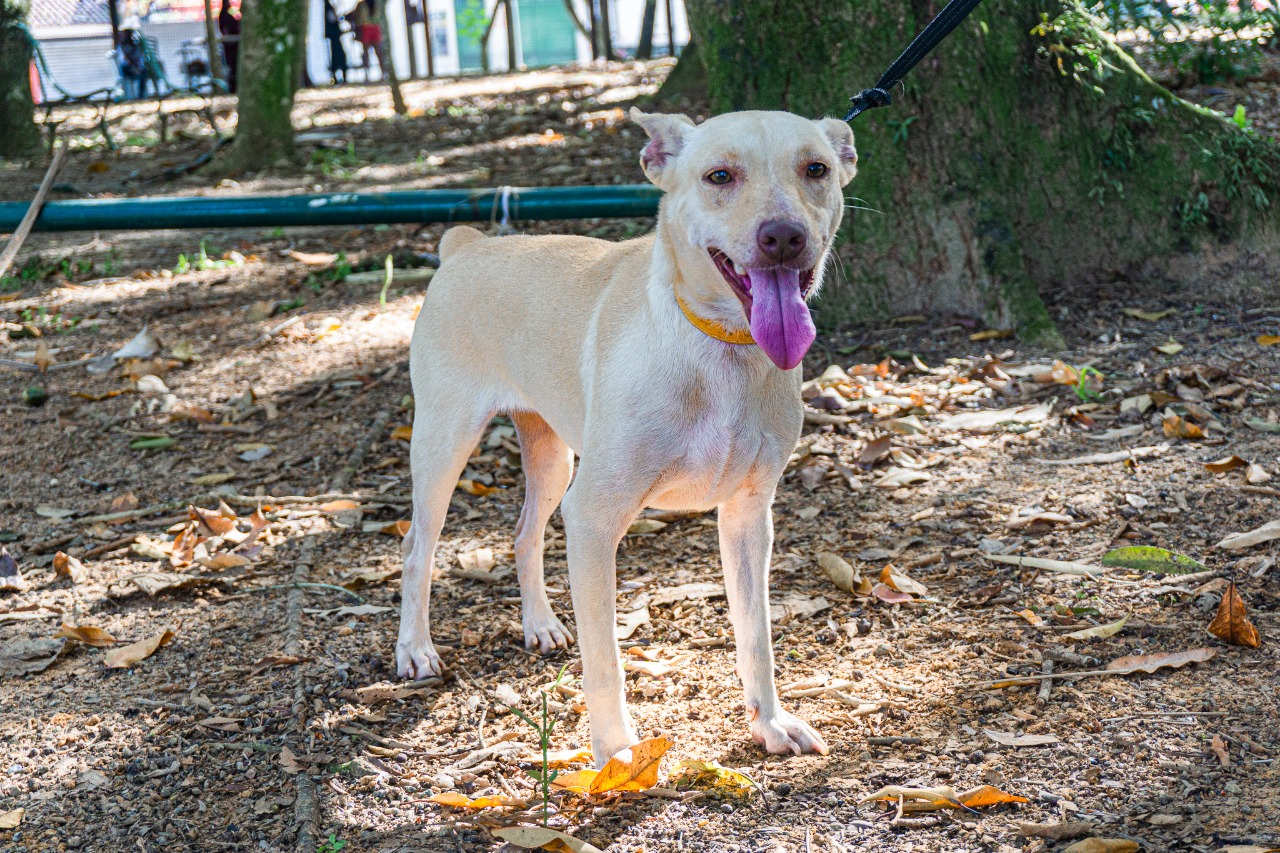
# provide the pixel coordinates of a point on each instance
(272, 720)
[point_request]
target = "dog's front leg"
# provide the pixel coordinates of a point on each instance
(595, 520)
(746, 540)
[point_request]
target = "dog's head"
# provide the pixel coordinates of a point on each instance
(758, 197)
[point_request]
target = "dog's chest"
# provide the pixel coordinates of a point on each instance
(715, 444)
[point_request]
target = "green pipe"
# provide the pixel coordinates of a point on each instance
(418, 207)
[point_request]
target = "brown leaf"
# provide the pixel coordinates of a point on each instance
(1218, 747)
(87, 634)
(23, 657)
(66, 566)
(1098, 632)
(543, 838)
(1151, 663)
(1257, 536)
(211, 523)
(1103, 845)
(476, 489)
(289, 762)
(889, 595)
(1232, 622)
(375, 694)
(1010, 739)
(135, 653)
(11, 819)
(42, 359)
(1225, 464)
(633, 769)
(894, 579)
(402, 433)
(1055, 831)
(876, 449)
(156, 582)
(1179, 427)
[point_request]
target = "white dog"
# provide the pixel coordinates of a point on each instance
(668, 364)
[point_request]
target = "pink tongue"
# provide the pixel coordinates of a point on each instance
(780, 321)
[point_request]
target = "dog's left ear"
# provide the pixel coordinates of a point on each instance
(666, 138)
(840, 135)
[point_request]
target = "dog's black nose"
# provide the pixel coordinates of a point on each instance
(780, 240)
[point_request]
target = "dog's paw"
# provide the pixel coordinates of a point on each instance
(786, 733)
(546, 633)
(417, 660)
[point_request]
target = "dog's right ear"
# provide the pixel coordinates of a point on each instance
(666, 138)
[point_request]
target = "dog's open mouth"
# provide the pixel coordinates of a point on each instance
(773, 300)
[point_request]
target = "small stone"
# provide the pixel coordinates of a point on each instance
(977, 756)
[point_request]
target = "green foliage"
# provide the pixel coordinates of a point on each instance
(41, 319)
(1206, 41)
(331, 845)
(341, 268)
(340, 163)
(1082, 388)
(201, 262)
(544, 775)
(472, 22)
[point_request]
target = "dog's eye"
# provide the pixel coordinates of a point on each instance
(719, 177)
(816, 170)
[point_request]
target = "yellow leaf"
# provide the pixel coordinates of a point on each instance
(710, 776)
(558, 758)
(1032, 617)
(1178, 427)
(460, 801)
(395, 528)
(1268, 340)
(1099, 632)
(1232, 621)
(1103, 845)
(579, 781)
(986, 795)
(87, 634)
(1225, 464)
(402, 433)
(475, 489)
(134, 653)
(633, 769)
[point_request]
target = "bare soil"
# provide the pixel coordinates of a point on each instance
(185, 750)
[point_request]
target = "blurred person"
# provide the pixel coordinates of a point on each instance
(364, 20)
(333, 34)
(229, 27)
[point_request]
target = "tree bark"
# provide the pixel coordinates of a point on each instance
(19, 135)
(271, 49)
(687, 82)
(1017, 157)
(644, 50)
(397, 96)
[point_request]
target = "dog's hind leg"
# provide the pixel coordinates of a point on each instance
(548, 467)
(447, 423)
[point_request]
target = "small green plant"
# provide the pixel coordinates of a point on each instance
(42, 319)
(1083, 391)
(901, 129)
(330, 845)
(544, 775)
(336, 162)
(1241, 118)
(340, 270)
(201, 262)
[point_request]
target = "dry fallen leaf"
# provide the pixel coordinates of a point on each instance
(633, 769)
(894, 579)
(87, 634)
(1055, 831)
(1179, 427)
(11, 819)
(461, 801)
(1232, 621)
(153, 583)
(289, 762)
(475, 489)
(543, 838)
(1218, 747)
(889, 595)
(840, 571)
(134, 653)
(1256, 475)
(1010, 739)
(1225, 464)
(66, 566)
(1257, 536)
(710, 776)
(1151, 663)
(1268, 340)
(1149, 316)
(1103, 845)
(558, 758)
(11, 579)
(643, 526)
(1170, 348)
(23, 657)
(1098, 632)
(402, 433)
(477, 560)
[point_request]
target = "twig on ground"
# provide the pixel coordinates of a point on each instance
(143, 512)
(305, 804)
(277, 329)
(33, 211)
(343, 478)
(114, 545)
(300, 585)
(1046, 686)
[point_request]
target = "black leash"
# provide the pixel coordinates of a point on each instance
(930, 37)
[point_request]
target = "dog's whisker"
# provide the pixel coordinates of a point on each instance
(860, 207)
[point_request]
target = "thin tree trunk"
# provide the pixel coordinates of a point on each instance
(512, 62)
(577, 22)
(1010, 163)
(210, 38)
(644, 50)
(606, 32)
(271, 48)
(426, 29)
(408, 37)
(19, 135)
(397, 97)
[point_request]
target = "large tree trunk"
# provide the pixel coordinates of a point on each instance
(19, 135)
(272, 41)
(1014, 161)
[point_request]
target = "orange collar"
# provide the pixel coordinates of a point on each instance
(714, 328)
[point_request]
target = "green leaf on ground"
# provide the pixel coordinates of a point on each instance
(1147, 558)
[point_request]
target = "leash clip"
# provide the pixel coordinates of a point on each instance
(868, 99)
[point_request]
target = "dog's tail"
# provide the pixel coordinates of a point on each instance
(457, 237)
